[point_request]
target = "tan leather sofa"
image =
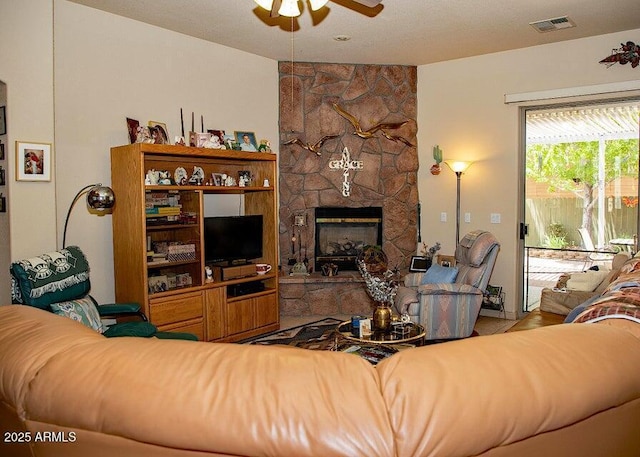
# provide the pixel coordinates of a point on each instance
(70, 392)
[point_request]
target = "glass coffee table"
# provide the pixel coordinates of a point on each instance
(410, 334)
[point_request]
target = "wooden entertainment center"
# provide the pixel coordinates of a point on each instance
(179, 296)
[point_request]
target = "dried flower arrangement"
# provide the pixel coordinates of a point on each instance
(381, 288)
(429, 252)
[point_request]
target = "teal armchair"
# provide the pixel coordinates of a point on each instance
(59, 282)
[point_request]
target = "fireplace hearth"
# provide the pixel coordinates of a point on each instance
(341, 233)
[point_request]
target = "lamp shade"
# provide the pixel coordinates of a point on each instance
(289, 8)
(458, 166)
(101, 198)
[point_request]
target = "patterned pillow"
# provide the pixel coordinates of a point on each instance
(609, 311)
(438, 274)
(83, 311)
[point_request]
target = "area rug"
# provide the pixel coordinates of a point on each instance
(316, 335)
(320, 336)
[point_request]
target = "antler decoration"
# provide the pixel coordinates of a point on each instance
(315, 147)
(629, 52)
(371, 132)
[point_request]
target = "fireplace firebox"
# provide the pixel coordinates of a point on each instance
(341, 233)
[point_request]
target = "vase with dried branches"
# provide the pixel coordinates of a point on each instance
(382, 288)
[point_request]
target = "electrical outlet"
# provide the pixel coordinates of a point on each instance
(495, 218)
(443, 217)
(467, 217)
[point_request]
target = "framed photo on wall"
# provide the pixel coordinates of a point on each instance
(33, 161)
(3, 120)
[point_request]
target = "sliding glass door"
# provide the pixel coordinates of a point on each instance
(581, 189)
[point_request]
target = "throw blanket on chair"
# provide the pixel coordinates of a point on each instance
(59, 272)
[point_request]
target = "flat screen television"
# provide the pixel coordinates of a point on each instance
(232, 240)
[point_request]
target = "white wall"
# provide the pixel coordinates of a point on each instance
(27, 70)
(461, 108)
(109, 68)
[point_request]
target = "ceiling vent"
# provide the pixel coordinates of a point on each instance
(549, 25)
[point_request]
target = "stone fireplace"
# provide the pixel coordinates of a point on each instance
(341, 233)
(386, 179)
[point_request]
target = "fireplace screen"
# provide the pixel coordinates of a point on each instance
(341, 233)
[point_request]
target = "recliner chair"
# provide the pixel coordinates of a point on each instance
(450, 310)
(59, 282)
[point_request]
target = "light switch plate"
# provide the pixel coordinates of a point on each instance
(467, 217)
(495, 218)
(443, 217)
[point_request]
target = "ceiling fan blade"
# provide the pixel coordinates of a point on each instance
(275, 7)
(368, 3)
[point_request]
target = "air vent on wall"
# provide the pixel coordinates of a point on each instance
(549, 25)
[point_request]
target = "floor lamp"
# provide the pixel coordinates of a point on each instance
(99, 198)
(458, 167)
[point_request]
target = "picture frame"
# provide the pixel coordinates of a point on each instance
(1, 150)
(132, 128)
(419, 264)
(446, 260)
(218, 133)
(159, 132)
(217, 179)
(3, 120)
(246, 140)
(33, 161)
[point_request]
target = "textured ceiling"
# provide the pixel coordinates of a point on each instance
(405, 32)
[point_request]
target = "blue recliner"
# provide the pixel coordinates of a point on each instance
(59, 282)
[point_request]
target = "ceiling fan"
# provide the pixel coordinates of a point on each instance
(291, 8)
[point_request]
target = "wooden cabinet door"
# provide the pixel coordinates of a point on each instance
(266, 310)
(240, 316)
(215, 313)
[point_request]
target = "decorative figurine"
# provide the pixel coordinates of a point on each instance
(180, 176)
(152, 177)
(164, 178)
(197, 177)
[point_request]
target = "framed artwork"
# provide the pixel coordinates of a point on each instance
(247, 141)
(446, 260)
(33, 161)
(219, 134)
(217, 179)
(132, 127)
(3, 120)
(419, 264)
(1, 151)
(159, 132)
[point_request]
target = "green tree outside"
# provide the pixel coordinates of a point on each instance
(573, 167)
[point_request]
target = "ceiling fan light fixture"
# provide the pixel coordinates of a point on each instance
(317, 4)
(289, 8)
(266, 4)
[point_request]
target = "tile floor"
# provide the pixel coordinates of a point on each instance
(484, 325)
